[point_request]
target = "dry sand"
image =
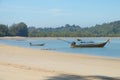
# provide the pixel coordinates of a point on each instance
(18, 63)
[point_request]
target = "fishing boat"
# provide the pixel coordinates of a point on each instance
(80, 45)
(42, 44)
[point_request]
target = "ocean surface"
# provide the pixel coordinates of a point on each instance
(111, 49)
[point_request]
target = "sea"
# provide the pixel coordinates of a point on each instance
(111, 49)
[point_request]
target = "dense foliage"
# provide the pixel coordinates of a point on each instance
(19, 29)
(107, 29)
(3, 30)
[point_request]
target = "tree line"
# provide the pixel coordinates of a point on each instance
(19, 29)
(104, 30)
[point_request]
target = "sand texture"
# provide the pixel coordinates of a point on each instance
(18, 63)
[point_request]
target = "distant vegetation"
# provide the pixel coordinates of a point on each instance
(21, 29)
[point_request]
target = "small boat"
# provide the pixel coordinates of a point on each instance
(37, 44)
(80, 45)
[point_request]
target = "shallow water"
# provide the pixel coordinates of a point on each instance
(111, 49)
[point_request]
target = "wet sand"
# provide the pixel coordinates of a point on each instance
(18, 63)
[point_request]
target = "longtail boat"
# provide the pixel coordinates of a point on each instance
(80, 45)
(42, 44)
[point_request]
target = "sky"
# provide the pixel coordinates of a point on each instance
(56, 13)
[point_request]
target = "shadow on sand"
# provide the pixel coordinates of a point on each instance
(75, 77)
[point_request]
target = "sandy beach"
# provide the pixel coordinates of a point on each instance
(18, 63)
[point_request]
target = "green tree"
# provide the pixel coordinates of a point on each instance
(19, 29)
(22, 29)
(3, 30)
(13, 30)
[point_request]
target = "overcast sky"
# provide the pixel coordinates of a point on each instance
(53, 13)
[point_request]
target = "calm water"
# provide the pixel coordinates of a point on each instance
(112, 49)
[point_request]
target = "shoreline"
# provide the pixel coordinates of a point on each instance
(44, 65)
(67, 53)
(19, 37)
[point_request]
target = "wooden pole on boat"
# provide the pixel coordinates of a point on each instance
(64, 40)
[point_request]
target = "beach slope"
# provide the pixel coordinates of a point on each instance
(18, 63)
